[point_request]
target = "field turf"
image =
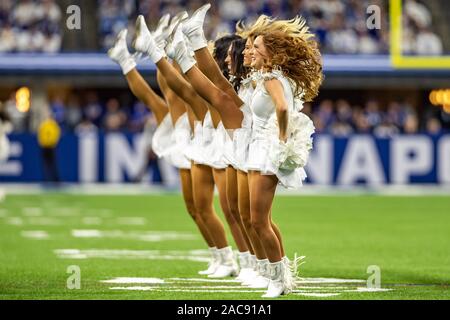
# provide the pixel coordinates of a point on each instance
(152, 244)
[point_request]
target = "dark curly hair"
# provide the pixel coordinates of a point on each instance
(238, 69)
(220, 53)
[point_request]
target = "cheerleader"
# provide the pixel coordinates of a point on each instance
(237, 182)
(173, 125)
(286, 145)
(203, 181)
(221, 94)
(290, 72)
(297, 29)
(241, 61)
(5, 128)
(210, 83)
(223, 97)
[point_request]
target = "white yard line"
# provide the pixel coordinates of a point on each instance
(92, 220)
(132, 221)
(329, 280)
(15, 221)
(43, 221)
(151, 236)
(64, 211)
(133, 288)
(127, 254)
(203, 280)
(140, 288)
(307, 190)
(370, 290)
(32, 211)
(318, 295)
(135, 280)
(35, 234)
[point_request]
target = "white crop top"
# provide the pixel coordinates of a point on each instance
(262, 105)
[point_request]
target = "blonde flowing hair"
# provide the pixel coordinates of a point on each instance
(298, 58)
(295, 27)
(292, 48)
(249, 31)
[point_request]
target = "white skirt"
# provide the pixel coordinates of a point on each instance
(4, 147)
(169, 141)
(268, 155)
(241, 140)
(228, 151)
(181, 137)
(162, 138)
(194, 148)
(215, 151)
(206, 146)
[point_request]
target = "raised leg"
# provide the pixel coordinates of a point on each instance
(146, 95)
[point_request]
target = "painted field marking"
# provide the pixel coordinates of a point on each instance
(203, 280)
(65, 212)
(35, 234)
(329, 280)
(129, 254)
(151, 236)
(197, 285)
(302, 281)
(43, 221)
(32, 211)
(310, 287)
(131, 280)
(318, 295)
(91, 220)
(137, 288)
(132, 221)
(15, 221)
(103, 213)
(372, 290)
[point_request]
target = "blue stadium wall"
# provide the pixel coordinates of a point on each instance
(358, 159)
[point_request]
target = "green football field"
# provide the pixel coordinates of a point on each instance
(147, 247)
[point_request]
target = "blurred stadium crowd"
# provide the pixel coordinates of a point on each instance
(341, 118)
(30, 26)
(340, 25)
(87, 112)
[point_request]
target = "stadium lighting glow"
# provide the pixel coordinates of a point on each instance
(446, 97)
(432, 98)
(447, 108)
(23, 103)
(440, 97)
